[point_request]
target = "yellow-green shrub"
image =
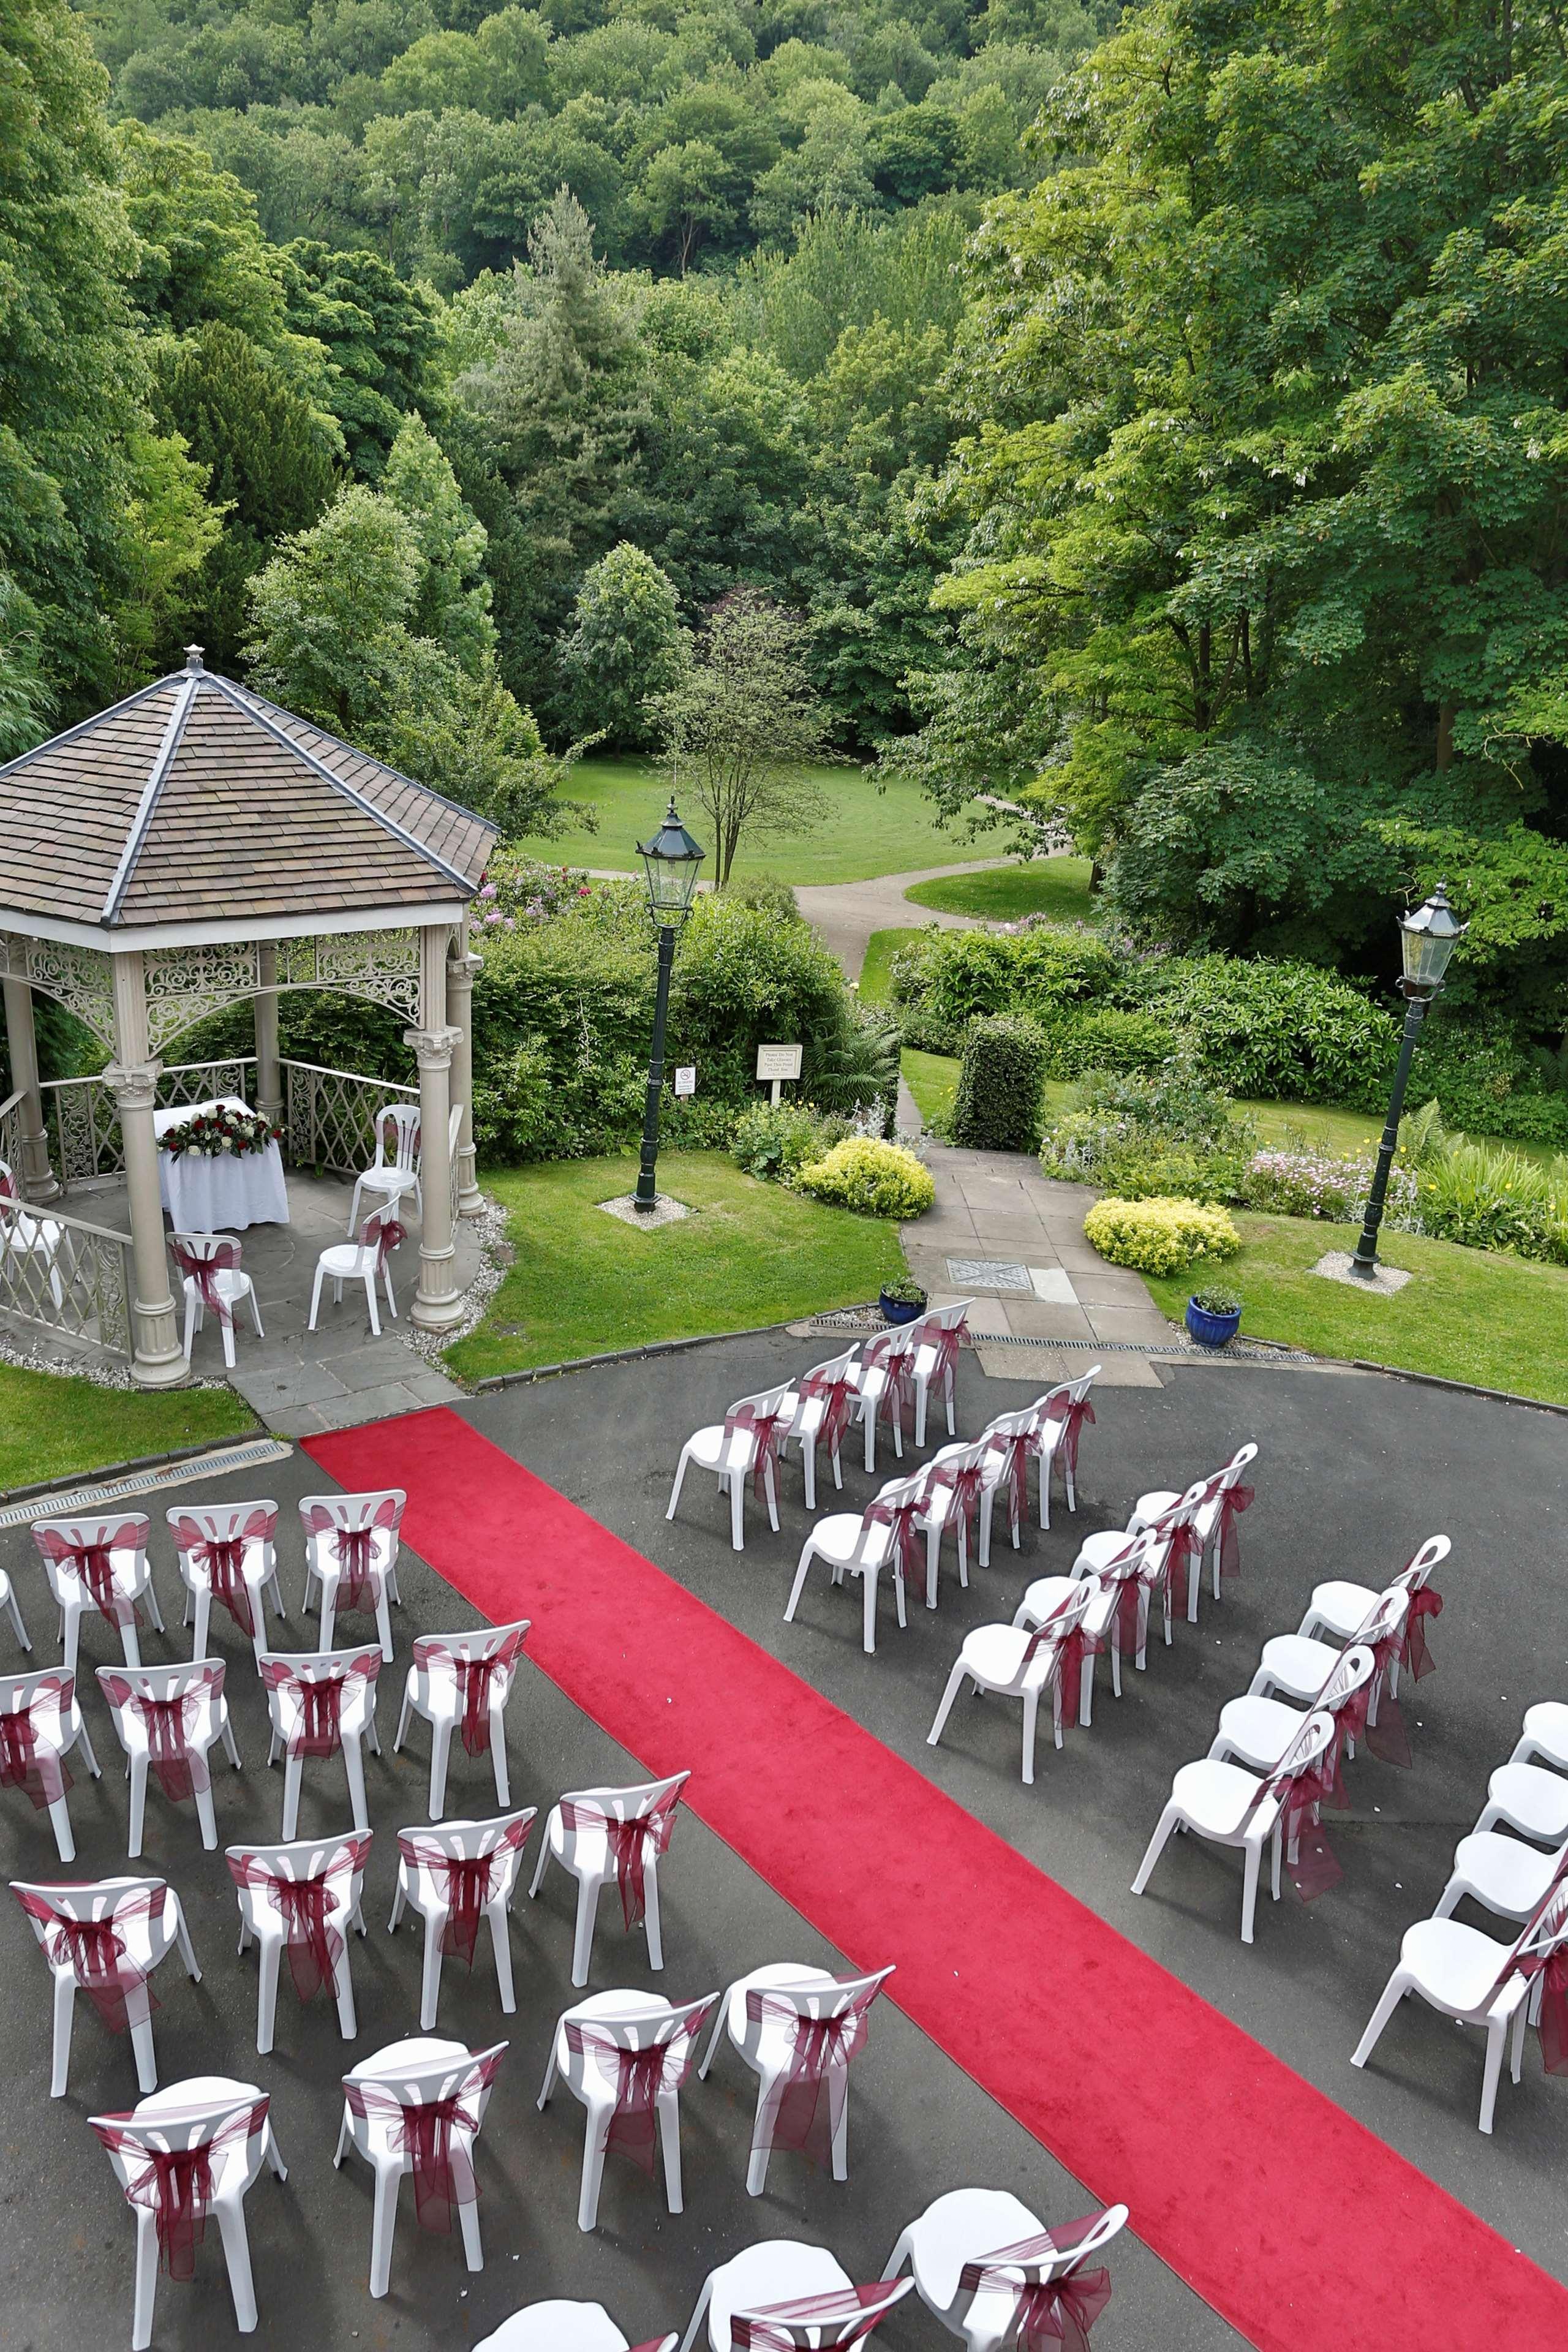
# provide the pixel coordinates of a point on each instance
(1161, 1235)
(880, 1180)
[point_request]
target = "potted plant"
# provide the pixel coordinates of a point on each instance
(902, 1300)
(1214, 1316)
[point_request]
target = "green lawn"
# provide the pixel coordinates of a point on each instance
(1058, 886)
(52, 1428)
(584, 1283)
(876, 970)
(864, 833)
(932, 1080)
(1465, 1315)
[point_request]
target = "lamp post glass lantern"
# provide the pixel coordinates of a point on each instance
(1427, 940)
(670, 861)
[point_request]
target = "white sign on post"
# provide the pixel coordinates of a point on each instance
(776, 1063)
(685, 1078)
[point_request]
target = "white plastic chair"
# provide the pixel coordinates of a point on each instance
(350, 1557)
(213, 1283)
(937, 1337)
(810, 2318)
(309, 1721)
(1116, 1619)
(862, 1544)
(461, 1683)
(1259, 1732)
(229, 2122)
(13, 1608)
(743, 1445)
(380, 2095)
(1299, 1667)
(168, 1718)
(1173, 1538)
(394, 1171)
(768, 2273)
(1047, 1431)
(24, 1236)
(1214, 1521)
(884, 1377)
(106, 1937)
(452, 1877)
(563, 2327)
(1023, 1662)
(1501, 1874)
(40, 1724)
(798, 2029)
(99, 1563)
(955, 1495)
(992, 2232)
(311, 1926)
(229, 1550)
(1476, 1980)
(625, 2055)
(1531, 1800)
(825, 1400)
(599, 1835)
(1231, 1806)
(1544, 1733)
(366, 1260)
(1338, 1610)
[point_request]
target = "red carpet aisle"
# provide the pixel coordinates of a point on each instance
(1303, 2229)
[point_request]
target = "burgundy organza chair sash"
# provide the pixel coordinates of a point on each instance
(905, 1544)
(641, 2076)
(181, 1768)
(1071, 1647)
(319, 1728)
(767, 1429)
(895, 1359)
(315, 1946)
(91, 1564)
(837, 1396)
(1177, 1547)
(355, 1549)
(1072, 1413)
(842, 2317)
(1233, 1501)
(1551, 1968)
(1424, 1604)
(945, 1342)
(467, 1881)
(203, 1268)
(475, 1676)
(223, 1557)
(35, 1767)
(382, 1234)
(95, 1951)
(798, 2115)
(1301, 1790)
(629, 1842)
(175, 2184)
(1050, 2312)
(1387, 1737)
(1016, 1450)
(966, 1486)
(435, 2135)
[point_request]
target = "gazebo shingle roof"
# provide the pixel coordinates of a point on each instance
(195, 799)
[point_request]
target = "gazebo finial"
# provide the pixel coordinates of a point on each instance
(194, 661)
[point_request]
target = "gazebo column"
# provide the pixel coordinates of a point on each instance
(268, 1072)
(157, 1360)
(461, 969)
(35, 1177)
(436, 1305)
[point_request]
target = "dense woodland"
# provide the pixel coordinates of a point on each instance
(1161, 419)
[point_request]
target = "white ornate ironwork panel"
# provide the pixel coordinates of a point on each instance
(65, 1278)
(382, 965)
(78, 978)
(81, 1115)
(185, 984)
(330, 1117)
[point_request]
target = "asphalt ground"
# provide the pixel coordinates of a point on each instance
(1354, 1472)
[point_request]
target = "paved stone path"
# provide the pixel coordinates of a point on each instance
(845, 914)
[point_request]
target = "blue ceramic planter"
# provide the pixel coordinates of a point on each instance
(1210, 1330)
(898, 1310)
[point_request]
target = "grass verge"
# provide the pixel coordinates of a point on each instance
(1058, 886)
(53, 1428)
(862, 832)
(1463, 1315)
(932, 1080)
(584, 1283)
(876, 970)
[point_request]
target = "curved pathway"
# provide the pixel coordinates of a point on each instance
(846, 913)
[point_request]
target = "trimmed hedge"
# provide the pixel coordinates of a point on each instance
(879, 1179)
(997, 1107)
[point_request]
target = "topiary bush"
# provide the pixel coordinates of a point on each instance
(997, 1108)
(1160, 1236)
(879, 1179)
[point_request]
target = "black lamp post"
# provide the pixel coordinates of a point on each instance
(1428, 938)
(670, 861)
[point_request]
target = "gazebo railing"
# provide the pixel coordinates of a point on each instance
(329, 1116)
(82, 1122)
(58, 1273)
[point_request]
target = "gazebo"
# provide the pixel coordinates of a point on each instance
(188, 847)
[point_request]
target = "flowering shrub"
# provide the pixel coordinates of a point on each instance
(1306, 1184)
(1147, 1135)
(879, 1179)
(210, 1134)
(522, 890)
(774, 1141)
(1487, 1198)
(1159, 1236)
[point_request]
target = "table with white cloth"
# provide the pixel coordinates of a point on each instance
(224, 1194)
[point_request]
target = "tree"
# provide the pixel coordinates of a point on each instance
(452, 596)
(171, 530)
(203, 256)
(626, 647)
(25, 701)
(379, 333)
(745, 722)
(687, 197)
